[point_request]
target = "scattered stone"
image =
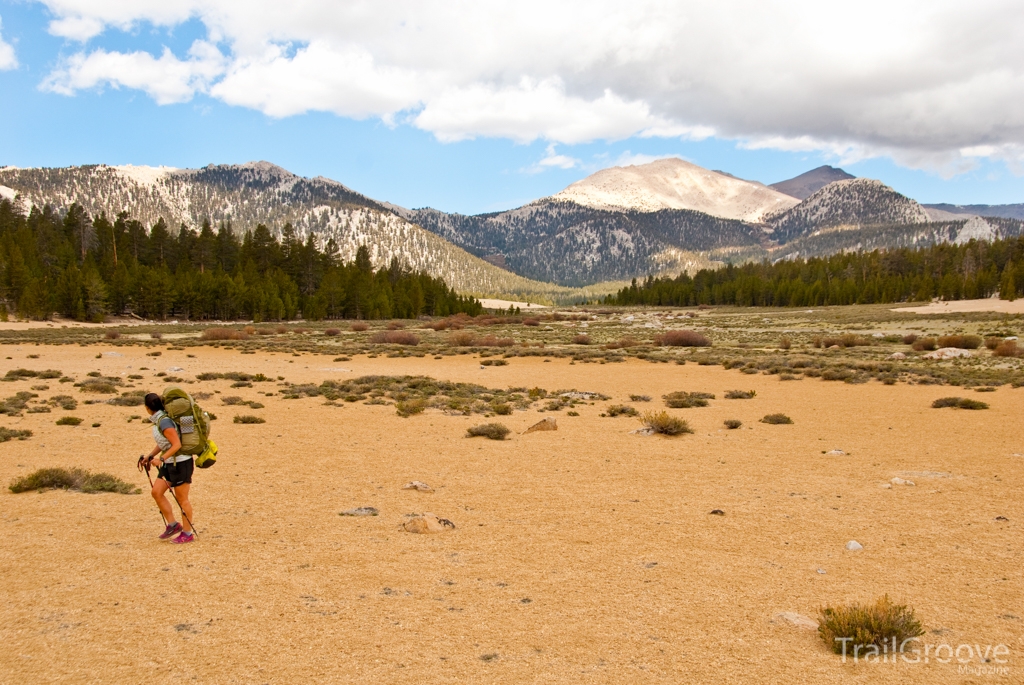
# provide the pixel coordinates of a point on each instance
(947, 353)
(835, 453)
(923, 474)
(588, 396)
(417, 485)
(427, 523)
(1001, 518)
(798, 620)
(360, 511)
(174, 368)
(878, 335)
(897, 355)
(854, 546)
(112, 354)
(548, 424)
(642, 431)
(901, 481)
(717, 512)
(834, 347)
(821, 571)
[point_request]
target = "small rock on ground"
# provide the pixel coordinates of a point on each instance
(717, 512)
(798, 620)
(854, 546)
(417, 485)
(427, 523)
(901, 481)
(548, 424)
(835, 453)
(360, 511)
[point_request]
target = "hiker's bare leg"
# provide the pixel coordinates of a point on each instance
(182, 494)
(159, 491)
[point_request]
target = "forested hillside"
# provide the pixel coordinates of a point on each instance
(85, 268)
(950, 272)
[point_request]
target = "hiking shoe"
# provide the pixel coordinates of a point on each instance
(171, 530)
(183, 538)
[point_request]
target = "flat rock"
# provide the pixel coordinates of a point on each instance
(427, 523)
(174, 368)
(854, 546)
(417, 485)
(642, 431)
(717, 512)
(947, 353)
(547, 424)
(579, 395)
(835, 453)
(112, 354)
(897, 355)
(798, 620)
(901, 481)
(924, 474)
(360, 511)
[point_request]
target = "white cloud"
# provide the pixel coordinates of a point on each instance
(552, 160)
(8, 60)
(929, 84)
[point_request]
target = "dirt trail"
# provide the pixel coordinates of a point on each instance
(581, 555)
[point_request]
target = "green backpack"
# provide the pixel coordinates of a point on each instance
(193, 425)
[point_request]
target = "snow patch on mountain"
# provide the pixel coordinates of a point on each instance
(676, 184)
(147, 176)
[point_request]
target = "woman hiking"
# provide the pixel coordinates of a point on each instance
(174, 472)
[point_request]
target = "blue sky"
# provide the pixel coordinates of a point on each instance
(518, 126)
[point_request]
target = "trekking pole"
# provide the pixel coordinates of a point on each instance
(144, 465)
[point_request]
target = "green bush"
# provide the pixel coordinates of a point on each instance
(14, 434)
(958, 403)
(407, 408)
(493, 431)
(621, 410)
(740, 394)
(854, 628)
(72, 479)
(664, 423)
(686, 400)
(776, 419)
(249, 418)
(68, 421)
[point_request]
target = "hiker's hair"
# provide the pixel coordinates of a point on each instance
(153, 402)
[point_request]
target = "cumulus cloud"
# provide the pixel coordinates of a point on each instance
(932, 84)
(8, 60)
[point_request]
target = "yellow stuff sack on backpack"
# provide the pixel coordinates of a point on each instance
(209, 456)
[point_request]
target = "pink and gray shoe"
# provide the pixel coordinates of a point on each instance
(171, 530)
(184, 538)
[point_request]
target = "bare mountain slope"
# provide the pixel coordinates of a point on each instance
(676, 184)
(260, 192)
(806, 184)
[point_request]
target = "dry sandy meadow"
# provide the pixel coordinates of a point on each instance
(583, 555)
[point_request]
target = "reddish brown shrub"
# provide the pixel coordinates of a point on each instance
(682, 338)
(622, 343)
(531, 322)
(581, 339)
(992, 343)
(360, 326)
(332, 331)
(964, 342)
(1008, 348)
(394, 338)
(250, 330)
(111, 335)
(785, 343)
(461, 339)
(924, 344)
(909, 338)
(223, 334)
(156, 335)
(439, 325)
(493, 341)
(280, 330)
(395, 325)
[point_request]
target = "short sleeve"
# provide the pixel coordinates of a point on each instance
(166, 423)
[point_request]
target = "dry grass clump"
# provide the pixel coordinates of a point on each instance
(72, 479)
(111, 335)
(621, 410)
(14, 434)
(776, 419)
(733, 424)
(844, 340)
(21, 374)
(501, 408)
(958, 403)
(156, 335)
(68, 421)
(859, 630)
(909, 338)
(492, 431)
(963, 342)
(924, 345)
(785, 343)
(639, 398)
(407, 408)
(664, 423)
(686, 400)
(682, 338)
(223, 334)
(461, 339)
(740, 394)
(622, 343)
(104, 386)
(249, 418)
(992, 342)
(581, 339)
(132, 398)
(359, 326)
(1008, 348)
(493, 341)
(66, 402)
(394, 338)
(332, 331)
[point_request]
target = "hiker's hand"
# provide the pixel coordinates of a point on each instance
(142, 463)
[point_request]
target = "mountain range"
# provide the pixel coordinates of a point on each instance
(619, 223)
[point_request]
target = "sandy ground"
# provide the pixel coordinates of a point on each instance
(582, 555)
(491, 303)
(989, 304)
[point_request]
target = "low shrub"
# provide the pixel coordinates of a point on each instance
(359, 326)
(623, 343)
(687, 400)
(733, 424)
(494, 362)
(621, 410)
(682, 338)
(776, 419)
(72, 479)
(963, 342)
(133, 398)
(1008, 348)
(909, 338)
(249, 418)
(111, 335)
(66, 402)
(394, 338)
(232, 400)
(958, 403)
(785, 343)
(854, 628)
(664, 423)
(492, 431)
(14, 434)
(407, 408)
(68, 421)
(493, 341)
(740, 394)
(640, 398)
(924, 345)
(223, 334)
(104, 386)
(581, 339)
(992, 343)
(332, 331)
(156, 335)
(531, 322)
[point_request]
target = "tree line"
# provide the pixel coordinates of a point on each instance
(947, 272)
(84, 268)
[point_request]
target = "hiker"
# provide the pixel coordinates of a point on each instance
(174, 472)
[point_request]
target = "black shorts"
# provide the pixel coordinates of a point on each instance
(177, 474)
